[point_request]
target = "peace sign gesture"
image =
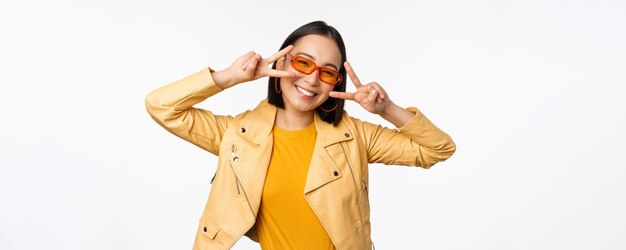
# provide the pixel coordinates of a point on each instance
(250, 67)
(371, 96)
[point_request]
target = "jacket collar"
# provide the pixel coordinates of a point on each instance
(257, 126)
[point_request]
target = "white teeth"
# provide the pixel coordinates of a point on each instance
(304, 92)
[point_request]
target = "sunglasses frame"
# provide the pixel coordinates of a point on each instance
(319, 76)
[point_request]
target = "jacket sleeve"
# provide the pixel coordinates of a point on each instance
(171, 107)
(418, 143)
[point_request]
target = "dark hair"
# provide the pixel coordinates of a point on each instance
(316, 28)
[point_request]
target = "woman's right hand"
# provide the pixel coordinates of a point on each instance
(250, 67)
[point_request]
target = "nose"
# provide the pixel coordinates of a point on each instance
(313, 78)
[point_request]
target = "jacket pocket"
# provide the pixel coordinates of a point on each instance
(208, 227)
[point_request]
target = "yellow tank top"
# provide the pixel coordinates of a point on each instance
(285, 219)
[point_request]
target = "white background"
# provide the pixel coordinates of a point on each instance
(532, 92)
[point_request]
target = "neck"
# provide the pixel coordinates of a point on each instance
(290, 119)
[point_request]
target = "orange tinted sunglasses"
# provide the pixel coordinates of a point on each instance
(307, 66)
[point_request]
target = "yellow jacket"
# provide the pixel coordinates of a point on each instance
(336, 185)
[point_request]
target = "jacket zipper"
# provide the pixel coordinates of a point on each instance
(367, 191)
(237, 183)
(355, 185)
(240, 187)
(248, 201)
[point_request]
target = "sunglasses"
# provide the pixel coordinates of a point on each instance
(304, 65)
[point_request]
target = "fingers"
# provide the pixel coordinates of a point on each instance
(242, 59)
(371, 93)
(342, 95)
(251, 62)
(278, 54)
(378, 89)
(372, 96)
(352, 75)
(280, 73)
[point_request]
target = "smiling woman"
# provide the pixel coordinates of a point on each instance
(293, 172)
(309, 89)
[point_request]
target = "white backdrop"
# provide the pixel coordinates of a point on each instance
(532, 92)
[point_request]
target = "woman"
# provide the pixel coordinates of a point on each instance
(293, 172)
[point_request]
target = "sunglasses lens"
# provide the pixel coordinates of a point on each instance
(303, 65)
(328, 75)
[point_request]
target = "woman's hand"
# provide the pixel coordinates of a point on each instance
(371, 96)
(250, 67)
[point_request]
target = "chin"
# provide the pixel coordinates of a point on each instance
(303, 107)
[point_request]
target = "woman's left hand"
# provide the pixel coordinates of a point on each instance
(371, 96)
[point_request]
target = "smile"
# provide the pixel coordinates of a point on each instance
(304, 91)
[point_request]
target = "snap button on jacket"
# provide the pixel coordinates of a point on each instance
(337, 182)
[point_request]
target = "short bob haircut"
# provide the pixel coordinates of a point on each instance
(315, 28)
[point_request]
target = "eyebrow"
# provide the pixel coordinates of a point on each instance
(312, 57)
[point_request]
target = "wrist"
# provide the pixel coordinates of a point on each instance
(389, 110)
(397, 115)
(222, 79)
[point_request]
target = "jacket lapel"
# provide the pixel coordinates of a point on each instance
(326, 162)
(258, 123)
(328, 154)
(254, 148)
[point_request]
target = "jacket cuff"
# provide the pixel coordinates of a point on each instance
(213, 88)
(426, 133)
(210, 77)
(414, 122)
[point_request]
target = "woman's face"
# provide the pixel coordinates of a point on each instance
(297, 91)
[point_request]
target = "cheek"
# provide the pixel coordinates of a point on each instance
(326, 89)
